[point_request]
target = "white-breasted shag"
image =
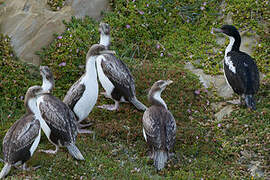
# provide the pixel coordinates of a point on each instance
(57, 121)
(114, 76)
(82, 95)
(240, 69)
(22, 139)
(48, 85)
(159, 126)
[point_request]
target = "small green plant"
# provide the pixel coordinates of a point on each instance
(56, 4)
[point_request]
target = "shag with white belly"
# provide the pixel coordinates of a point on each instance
(240, 69)
(22, 139)
(82, 95)
(57, 121)
(159, 126)
(115, 77)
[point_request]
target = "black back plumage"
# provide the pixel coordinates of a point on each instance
(246, 78)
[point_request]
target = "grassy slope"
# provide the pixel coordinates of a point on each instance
(180, 32)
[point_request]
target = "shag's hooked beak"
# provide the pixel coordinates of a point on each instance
(107, 52)
(168, 82)
(216, 30)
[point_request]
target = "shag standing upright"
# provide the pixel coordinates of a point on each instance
(114, 76)
(240, 69)
(22, 139)
(82, 95)
(159, 126)
(58, 122)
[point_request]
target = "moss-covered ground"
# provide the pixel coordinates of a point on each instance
(155, 39)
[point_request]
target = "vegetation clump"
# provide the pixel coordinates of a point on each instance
(15, 79)
(56, 5)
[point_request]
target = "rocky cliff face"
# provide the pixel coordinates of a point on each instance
(31, 24)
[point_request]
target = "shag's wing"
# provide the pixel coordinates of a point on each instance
(74, 93)
(151, 125)
(21, 134)
(170, 125)
(118, 73)
(246, 79)
(160, 127)
(58, 116)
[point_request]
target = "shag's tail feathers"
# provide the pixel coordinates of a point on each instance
(75, 152)
(160, 159)
(138, 104)
(250, 102)
(5, 170)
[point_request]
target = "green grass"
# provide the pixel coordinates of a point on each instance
(156, 45)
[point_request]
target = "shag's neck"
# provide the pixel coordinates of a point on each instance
(47, 85)
(154, 98)
(105, 40)
(234, 44)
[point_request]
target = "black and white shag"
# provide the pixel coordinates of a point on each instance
(240, 69)
(114, 76)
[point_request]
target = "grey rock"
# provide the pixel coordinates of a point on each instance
(218, 82)
(31, 24)
(224, 112)
(216, 105)
(248, 43)
(92, 8)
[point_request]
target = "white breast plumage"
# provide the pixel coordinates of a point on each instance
(46, 129)
(89, 98)
(105, 82)
(144, 135)
(229, 63)
(227, 58)
(35, 144)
